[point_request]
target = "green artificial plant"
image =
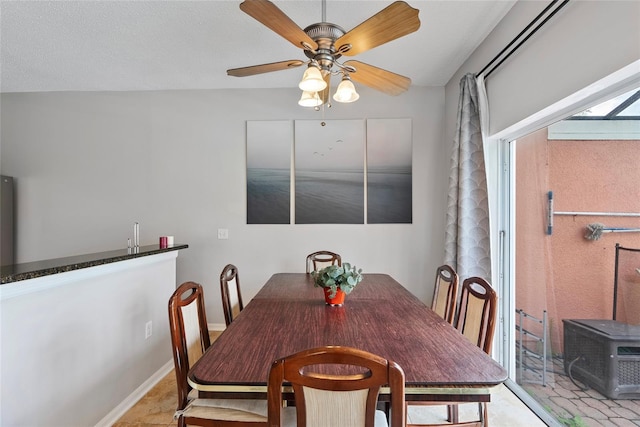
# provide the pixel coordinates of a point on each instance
(335, 277)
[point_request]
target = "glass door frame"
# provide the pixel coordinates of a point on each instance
(500, 158)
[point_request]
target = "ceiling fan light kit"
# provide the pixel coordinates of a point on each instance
(310, 99)
(312, 80)
(346, 91)
(324, 43)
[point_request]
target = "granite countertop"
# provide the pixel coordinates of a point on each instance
(31, 270)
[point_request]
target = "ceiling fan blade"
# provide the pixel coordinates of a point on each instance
(264, 68)
(394, 21)
(268, 14)
(379, 79)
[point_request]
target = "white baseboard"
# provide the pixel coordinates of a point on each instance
(134, 397)
(218, 327)
(144, 388)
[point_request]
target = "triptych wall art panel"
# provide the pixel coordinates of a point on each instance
(329, 172)
(389, 155)
(343, 171)
(269, 172)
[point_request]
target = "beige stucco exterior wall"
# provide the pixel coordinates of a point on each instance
(570, 276)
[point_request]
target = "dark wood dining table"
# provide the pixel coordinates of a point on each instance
(380, 316)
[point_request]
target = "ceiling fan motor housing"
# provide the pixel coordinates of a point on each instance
(324, 34)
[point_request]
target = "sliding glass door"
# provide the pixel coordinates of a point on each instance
(569, 194)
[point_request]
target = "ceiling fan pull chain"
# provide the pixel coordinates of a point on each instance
(327, 103)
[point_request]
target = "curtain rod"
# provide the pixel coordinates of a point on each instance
(515, 48)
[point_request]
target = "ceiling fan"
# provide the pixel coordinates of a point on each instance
(324, 43)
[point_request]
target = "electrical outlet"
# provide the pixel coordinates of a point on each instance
(223, 233)
(148, 329)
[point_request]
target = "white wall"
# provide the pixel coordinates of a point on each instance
(87, 165)
(581, 44)
(73, 344)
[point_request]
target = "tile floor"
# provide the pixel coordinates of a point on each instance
(156, 409)
(505, 410)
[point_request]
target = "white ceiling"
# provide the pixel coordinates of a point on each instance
(154, 45)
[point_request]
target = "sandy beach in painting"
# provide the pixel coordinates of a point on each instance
(268, 196)
(329, 197)
(389, 197)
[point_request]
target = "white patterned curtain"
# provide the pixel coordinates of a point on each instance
(467, 240)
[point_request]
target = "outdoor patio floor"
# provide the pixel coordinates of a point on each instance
(572, 406)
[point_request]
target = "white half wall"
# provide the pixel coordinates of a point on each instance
(73, 344)
(87, 165)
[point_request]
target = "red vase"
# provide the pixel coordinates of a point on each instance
(337, 300)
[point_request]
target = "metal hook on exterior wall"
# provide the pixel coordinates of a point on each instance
(551, 213)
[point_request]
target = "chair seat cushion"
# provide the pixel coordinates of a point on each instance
(250, 410)
(248, 405)
(380, 420)
(227, 409)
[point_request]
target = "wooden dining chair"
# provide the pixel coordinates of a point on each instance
(190, 339)
(346, 396)
(445, 293)
(321, 259)
(230, 291)
(477, 312)
(476, 321)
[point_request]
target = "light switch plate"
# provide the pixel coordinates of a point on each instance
(223, 233)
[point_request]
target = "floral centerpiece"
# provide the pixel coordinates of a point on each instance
(335, 278)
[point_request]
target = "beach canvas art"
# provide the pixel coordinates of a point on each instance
(329, 171)
(389, 176)
(269, 172)
(336, 162)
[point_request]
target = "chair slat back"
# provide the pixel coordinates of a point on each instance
(230, 292)
(336, 386)
(327, 408)
(445, 293)
(192, 336)
(321, 259)
(189, 333)
(477, 315)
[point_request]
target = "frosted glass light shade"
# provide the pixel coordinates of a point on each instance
(346, 92)
(312, 80)
(310, 99)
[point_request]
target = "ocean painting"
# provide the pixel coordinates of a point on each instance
(269, 172)
(329, 171)
(389, 176)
